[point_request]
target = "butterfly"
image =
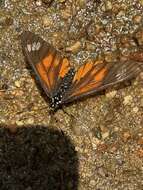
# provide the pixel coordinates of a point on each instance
(61, 83)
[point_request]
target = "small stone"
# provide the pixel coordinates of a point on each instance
(126, 136)
(38, 3)
(116, 8)
(96, 142)
(121, 13)
(141, 2)
(81, 3)
(105, 135)
(8, 21)
(137, 19)
(66, 13)
(92, 183)
(17, 84)
(127, 100)
(135, 109)
(17, 92)
(98, 28)
(111, 94)
(19, 123)
(74, 48)
(139, 153)
(113, 148)
(125, 41)
(46, 21)
(62, 1)
(139, 36)
(29, 121)
(90, 46)
(101, 171)
(140, 141)
(109, 57)
(108, 5)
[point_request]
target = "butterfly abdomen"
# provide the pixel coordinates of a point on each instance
(57, 98)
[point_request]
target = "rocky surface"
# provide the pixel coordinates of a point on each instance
(105, 130)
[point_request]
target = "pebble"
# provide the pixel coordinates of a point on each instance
(74, 48)
(38, 3)
(141, 2)
(108, 5)
(109, 57)
(29, 121)
(126, 136)
(127, 100)
(95, 142)
(140, 141)
(66, 13)
(137, 19)
(101, 172)
(92, 183)
(98, 28)
(105, 135)
(17, 92)
(19, 123)
(62, 1)
(121, 13)
(81, 3)
(135, 109)
(17, 84)
(90, 46)
(46, 20)
(140, 153)
(111, 94)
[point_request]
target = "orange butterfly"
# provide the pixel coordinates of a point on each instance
(61, 83)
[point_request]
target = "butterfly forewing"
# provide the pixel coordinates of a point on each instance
(46, 61)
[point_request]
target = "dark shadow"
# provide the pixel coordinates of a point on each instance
(37, 158)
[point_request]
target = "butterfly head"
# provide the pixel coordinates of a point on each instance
(56, 101)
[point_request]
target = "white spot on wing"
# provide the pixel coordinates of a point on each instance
(38, 45)
(29, 47)
(34, 47)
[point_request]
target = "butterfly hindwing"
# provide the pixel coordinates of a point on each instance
(93, 77)
(46, 61)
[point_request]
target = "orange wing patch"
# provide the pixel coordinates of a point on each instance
(52, 72)
(51, 68)
(64, 68)
(82, 71)
(95, 80)
(87, 88)
(43, 74)
(47, 61)
(100, 75)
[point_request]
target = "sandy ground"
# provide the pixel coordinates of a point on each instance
(95, 143)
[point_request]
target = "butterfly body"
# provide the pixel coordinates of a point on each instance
(58, 96)
(61, 83)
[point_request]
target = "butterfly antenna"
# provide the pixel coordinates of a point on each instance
(69, 114)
